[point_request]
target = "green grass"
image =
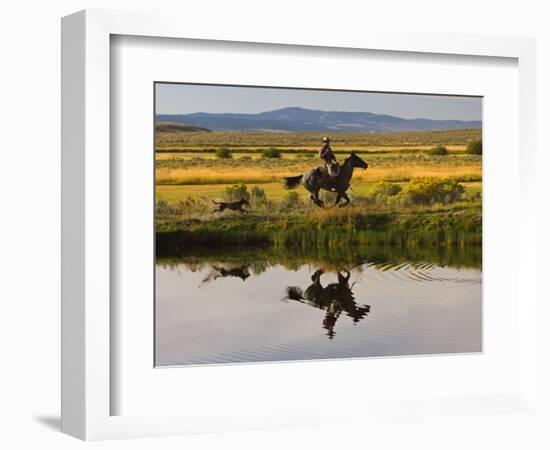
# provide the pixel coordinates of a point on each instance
(429, 211)
(274, 191)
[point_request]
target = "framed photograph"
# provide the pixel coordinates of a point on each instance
(373, 249)
(324, 211)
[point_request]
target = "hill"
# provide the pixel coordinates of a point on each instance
(173, 127)
(301, 119)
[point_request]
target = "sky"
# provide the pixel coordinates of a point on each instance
(190, 98)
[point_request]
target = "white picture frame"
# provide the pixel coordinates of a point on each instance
(87, 325)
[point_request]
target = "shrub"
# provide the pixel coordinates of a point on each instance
(191, 205)
(291, 199)
(474, 148)
(236, 192)
(271, 152)
(162, 208)
(438, 150)
(425, 191)
(223, 152)
(382, 191)
(257, 196)
(386, 189)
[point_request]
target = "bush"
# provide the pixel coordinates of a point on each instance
(291, 199)
(191, 205)
(236, 192)
(438, 150)
(223, 152)
(474, 148)
(382, 191)
(426, 191)
(162, 208)
(271, 152)
(257, 196)
(386, 189)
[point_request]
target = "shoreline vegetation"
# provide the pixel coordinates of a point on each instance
(259, 258)
(452, 228)
(411, 196)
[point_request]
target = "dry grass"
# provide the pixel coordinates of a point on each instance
(253, 138)
(249, 150)
(251, 175)
(295, 151)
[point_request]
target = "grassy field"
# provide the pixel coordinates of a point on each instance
(173, 141)
(274, 191)
(406, 193)
(390, 167)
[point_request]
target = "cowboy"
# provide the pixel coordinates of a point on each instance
(327, 155)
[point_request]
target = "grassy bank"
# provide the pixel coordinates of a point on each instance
(422, 211)
(348, 227)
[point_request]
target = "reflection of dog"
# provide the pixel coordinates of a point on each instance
(233, 206)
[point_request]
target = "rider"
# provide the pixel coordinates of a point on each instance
(327, 155)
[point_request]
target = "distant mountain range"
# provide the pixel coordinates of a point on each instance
(301, 119)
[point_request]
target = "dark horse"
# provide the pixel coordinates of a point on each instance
(316, 179)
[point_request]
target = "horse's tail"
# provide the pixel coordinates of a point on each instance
(292, 182)
(294, 293)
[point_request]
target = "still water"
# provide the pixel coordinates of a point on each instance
(231, 308)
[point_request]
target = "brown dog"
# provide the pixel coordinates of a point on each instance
(233, 206)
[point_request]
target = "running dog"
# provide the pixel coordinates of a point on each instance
(233, 206)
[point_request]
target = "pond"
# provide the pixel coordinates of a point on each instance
(268, 304)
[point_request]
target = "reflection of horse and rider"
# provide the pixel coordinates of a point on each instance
(334, 299)
(331, 177)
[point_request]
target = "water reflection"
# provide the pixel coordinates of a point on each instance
(241, 272)
(333, 298)
(224, 306)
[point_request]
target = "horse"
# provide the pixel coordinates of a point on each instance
(316, 179)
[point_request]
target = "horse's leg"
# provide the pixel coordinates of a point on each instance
(338, 197)
(316, 199)
(346, 198)
(311, 183)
